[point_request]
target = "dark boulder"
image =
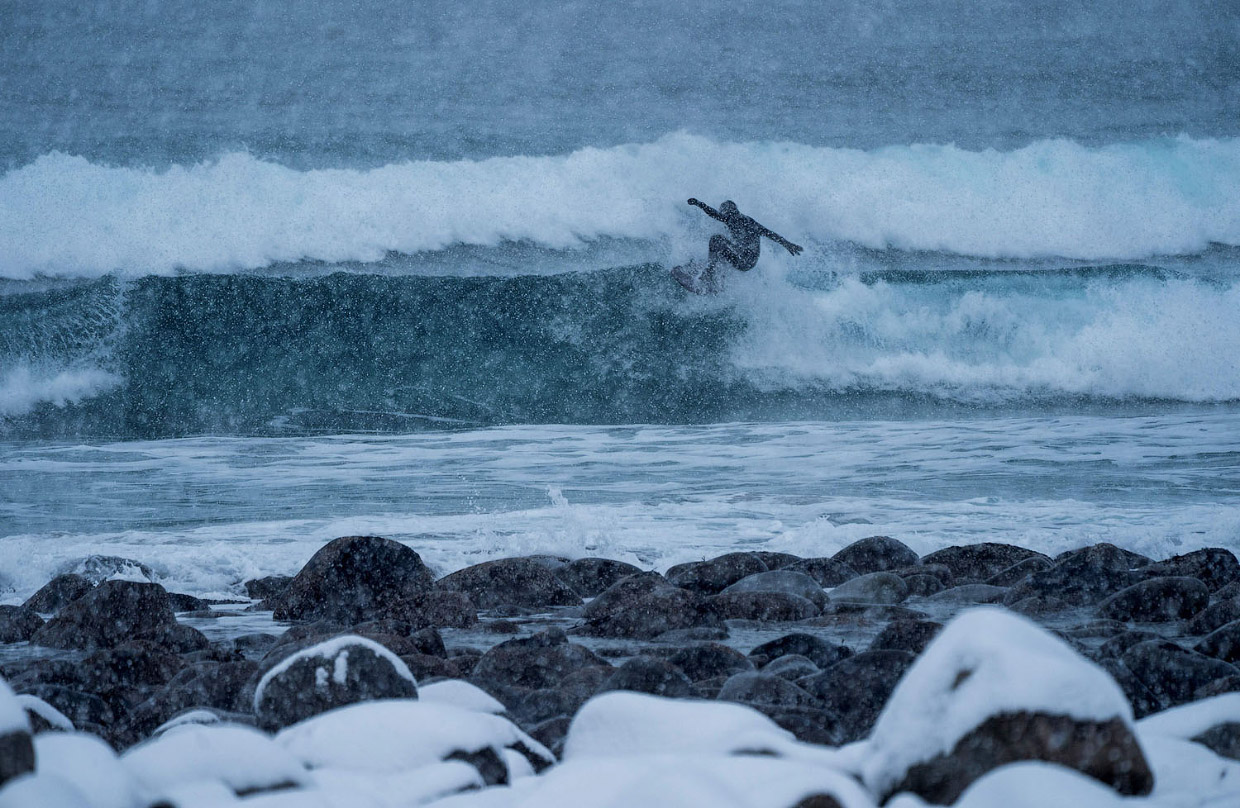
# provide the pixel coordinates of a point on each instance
(765, 607)
(1157, 600)
(974, 563)
(1213, 566)
(590, 576)
(1214, 616)
(1116, 645)
(187, 603)
(83, 709)
(1222, 643)
(642, 607)
(971, 593)
(856, 689)
(822, 653)
(269, 586)
(352, 579)
(906, 635)
(133, 665)
(791, 667)
(1171, 673)
(644, 674)
(1222, 739)
(1082, 577)
(510, 582)
(1104, 750)
(18, 623)
(341, 671)
(874, 587)
(786, 581)
(713, 576)
(57, 592)
(826, 571)
(16, 754)
(923, 586)
(540, 661)
(877, 554)
(434, 609)
(774, 560)
(113, 613)
(99, 568)
(709, 660)
(1021, 570)
(765, 688)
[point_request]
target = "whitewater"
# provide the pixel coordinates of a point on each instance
(65, 216)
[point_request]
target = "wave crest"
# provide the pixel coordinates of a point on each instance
(65, 216)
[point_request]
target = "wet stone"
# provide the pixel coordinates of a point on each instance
(713, 576)
(1157, 600)
(765, 688)
(1222, 643)
(766, 607)
(856, 689)
(826, 571)
(1213, 566)
(906, 635)
(18, 623)
(877, 554)
(971, 593)
(540, 661)
(642, 607)
(822, 653)
(923, 585)
(658, 677)
(709, 660)
(791, 667)
(112, 613)
(1214, 616)
(267, 587)
(1019, 571)
(1173, 674)
(785, 581)
(875, 587)
(975, 563)
(351, 579)
(1082, 577)
(58, 592)
(588, 577)
(510, 581)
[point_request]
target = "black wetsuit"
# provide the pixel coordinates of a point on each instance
(742, 249)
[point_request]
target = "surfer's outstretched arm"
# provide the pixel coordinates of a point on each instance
(795, 249)
(707, 209)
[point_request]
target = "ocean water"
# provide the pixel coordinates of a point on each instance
(273, 272)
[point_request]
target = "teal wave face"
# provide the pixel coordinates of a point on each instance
(243, 354)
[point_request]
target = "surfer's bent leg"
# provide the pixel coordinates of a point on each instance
(722, 250)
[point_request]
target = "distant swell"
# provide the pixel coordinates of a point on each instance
(65, 216)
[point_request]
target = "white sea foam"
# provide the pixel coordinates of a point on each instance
(63, 215)
(1176, 339)
(22, 388)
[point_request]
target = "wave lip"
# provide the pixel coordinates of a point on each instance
(65, 216)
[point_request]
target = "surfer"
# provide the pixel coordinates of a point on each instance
(741, 251)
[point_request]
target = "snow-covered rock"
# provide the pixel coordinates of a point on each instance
(39, 710)
(342, 670)
(91, 766)
(1187, 773)
(242, 758)
(623, 723)
(347, 789)
(394, 736)
(1037, 785)
(1213, 723)
(994, 688)
(16, 749)
(41, 791)
(459, 693)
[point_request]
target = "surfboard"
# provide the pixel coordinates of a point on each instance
(687, 277)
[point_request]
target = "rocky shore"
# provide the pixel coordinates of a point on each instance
(976, 675)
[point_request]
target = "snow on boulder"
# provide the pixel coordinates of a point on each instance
(89, 764)
(1213, 722)
(44, 716)
(1037, 785)
(1187, 773)
(393, 736)
(691, 782)
(16, 748)
(993, 688)
(342, 670)
(624, 723)
(42, 791)
(242, 758)
(345, 789)
(459, 693)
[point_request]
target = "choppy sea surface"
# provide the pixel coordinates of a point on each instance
(272, 273)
